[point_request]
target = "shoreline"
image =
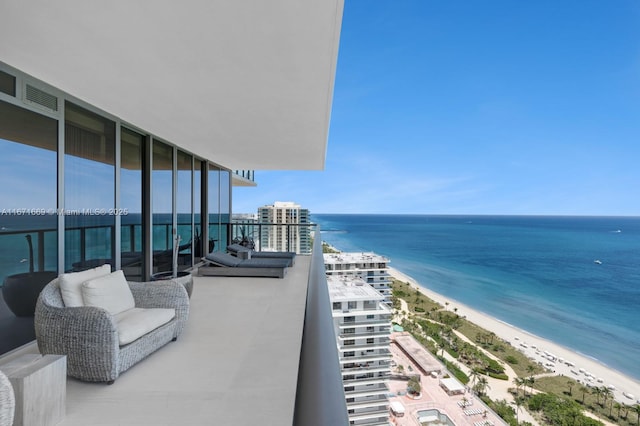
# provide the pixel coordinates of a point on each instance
(534, 347)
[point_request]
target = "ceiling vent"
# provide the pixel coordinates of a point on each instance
(35, 96)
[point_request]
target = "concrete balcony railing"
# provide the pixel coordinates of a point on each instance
(347, 336)
(380, 344)
(368, 402)
(368, 390)
(367, 322)
(366, 358)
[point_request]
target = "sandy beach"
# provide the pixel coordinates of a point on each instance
(567, 362)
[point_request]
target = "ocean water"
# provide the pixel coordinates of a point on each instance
(537, 273)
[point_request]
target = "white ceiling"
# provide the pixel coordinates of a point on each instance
(246, 84)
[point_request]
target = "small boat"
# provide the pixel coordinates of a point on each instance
(597, 262)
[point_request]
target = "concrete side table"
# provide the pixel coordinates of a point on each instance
(7, 401)
(40, 388)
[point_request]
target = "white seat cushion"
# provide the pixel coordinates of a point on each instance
(135, 323)
(110, 292)
(71, 284)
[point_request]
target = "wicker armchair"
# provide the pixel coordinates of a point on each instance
(88, 336)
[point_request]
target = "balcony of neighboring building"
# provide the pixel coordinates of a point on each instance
(373, 388)
(376, 355)
(370, 416)
(363, 403)
(367, 379)
(379, 343)
(363, 320)
(364, 368)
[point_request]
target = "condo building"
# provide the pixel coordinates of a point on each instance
(362, 323)
(124, 128)
(370, 267)
(280, 228)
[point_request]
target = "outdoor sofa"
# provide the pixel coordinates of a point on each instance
(224, 265)
(239, 250)
(105, 324)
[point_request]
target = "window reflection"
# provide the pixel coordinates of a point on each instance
(162, 200)
(131, 258)
(225, 204)
(184, 210)
(89, 189)
(197, 208)
(213, 199)
(28, 224)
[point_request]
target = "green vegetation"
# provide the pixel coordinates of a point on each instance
(560, 400)
(521, 365)
(414, 387)
(326, 248)
(555, 410)
(598, 400)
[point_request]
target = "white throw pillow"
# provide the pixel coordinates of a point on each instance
(71, 284)
(135, 323)
(110, 292)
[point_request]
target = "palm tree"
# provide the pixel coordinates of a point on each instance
(584, 390)
(597, 391)
(625, 410)
(570, 383)
(617, 406)
(518, 401)
(606, 394)
(518, 382)
(474, 374)
(482, 385)
(531, 369)
(530, 381)
(636, 408)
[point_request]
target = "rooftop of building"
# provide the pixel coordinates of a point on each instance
(354, 257)
(343, 288)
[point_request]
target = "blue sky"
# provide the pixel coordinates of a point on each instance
(478, 107)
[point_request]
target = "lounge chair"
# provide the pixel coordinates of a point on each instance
(225, 265)
(238, 249)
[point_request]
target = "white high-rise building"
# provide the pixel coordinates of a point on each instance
(285, 226)
(362, 324)
(372, 268)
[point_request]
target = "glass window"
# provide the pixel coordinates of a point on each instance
(28, 224)
(353, 305)
(89, 189)
(370, 304)
(213, 199)
(337, 306)
(131, 148)
(162, 207)
(184, 198)
(197, 208)
(225, 206)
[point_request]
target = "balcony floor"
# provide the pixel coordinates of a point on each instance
(236, 362)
